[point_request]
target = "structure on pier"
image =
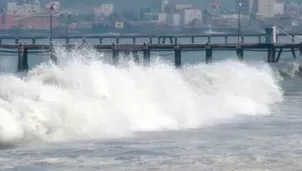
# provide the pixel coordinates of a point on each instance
(271, 46)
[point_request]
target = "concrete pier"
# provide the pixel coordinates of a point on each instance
(165, 43)
(274, 50)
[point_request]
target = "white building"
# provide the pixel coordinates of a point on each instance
(279, 8)
(162, 18)
(24, 9)
(164, 4)
(176, 19)
(191, 15)
(267, 8)
(103, 10)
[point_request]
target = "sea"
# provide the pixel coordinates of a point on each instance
(84, 114)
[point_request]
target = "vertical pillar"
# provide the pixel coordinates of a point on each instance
(53, 56)
(67, 40)
(115, 55)
(83, 40)
(171, 39)
(146, 55)
(192, 39)
(135, 57)
(279, 54)
(34, 41)
(177, 57)
(300, 50)
(164, 40)
(294, 53)
(274, 34)
(259, 39)
(271, 54)
(225, 39)
(209, 39)
(239, 52)
(150, 40)
(175, 40)
(208, 54)
(242, 39)
(17, 41)
(117, 40)
(127, 56)
(22, 58)
(134, 40)
(100, 40)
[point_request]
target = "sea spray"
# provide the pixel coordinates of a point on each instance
(84, 97)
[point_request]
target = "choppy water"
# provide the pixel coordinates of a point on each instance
(85, 114)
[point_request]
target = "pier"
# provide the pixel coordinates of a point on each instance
(270, 45)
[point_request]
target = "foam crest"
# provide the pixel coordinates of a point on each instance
(84, 97)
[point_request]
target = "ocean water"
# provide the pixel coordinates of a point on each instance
(85, 114)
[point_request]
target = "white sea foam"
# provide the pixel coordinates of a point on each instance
(83, 98)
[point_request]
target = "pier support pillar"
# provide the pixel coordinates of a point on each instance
(177, 58)
(209, 54)
(67, 41)
(34, 41)
(175, 40)
(279, 54)
(242, 39)
(150, 40)
(101, 40)
(300, 50)
(146, 55)
(135, 57)
(294, 53)
(84, 40)
(22, 58)
(53, 56)
(209, 39)
(115, 55)
(164, 40)
(133, 40)
(239, 52)
(127, 56)
(271, 54)
(192, 39)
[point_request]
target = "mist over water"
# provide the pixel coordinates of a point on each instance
(85, 97)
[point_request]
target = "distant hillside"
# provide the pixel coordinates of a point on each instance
(131, 4)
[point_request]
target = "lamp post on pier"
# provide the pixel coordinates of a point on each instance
(239, 30)
(50, 22)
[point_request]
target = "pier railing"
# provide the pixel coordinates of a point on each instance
(151, 39)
